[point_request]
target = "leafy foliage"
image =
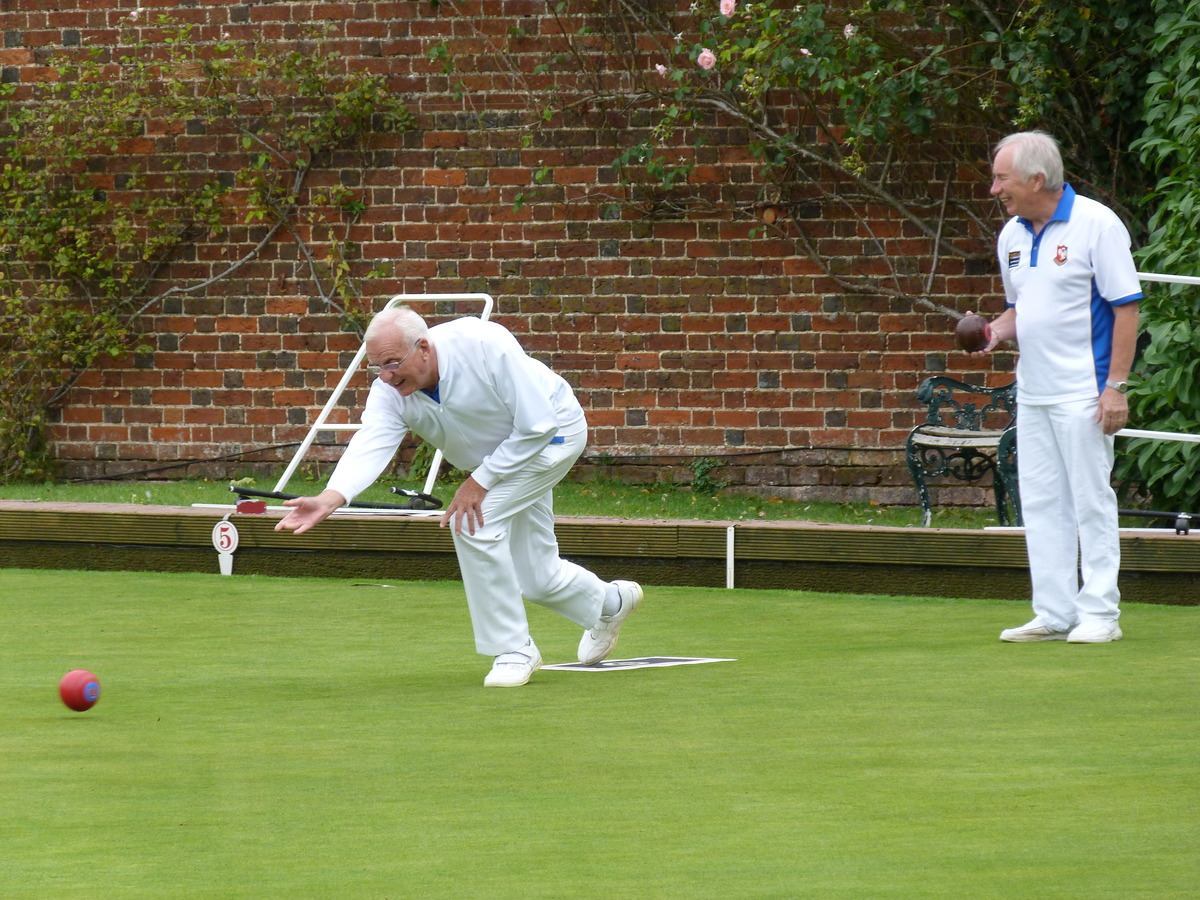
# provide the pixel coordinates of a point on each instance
(1077, 70)
(97, 195)
(703, 481)
(1165, 392)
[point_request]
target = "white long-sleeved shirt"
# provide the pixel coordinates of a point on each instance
(496, 409)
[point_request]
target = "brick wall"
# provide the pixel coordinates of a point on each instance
(684, 335)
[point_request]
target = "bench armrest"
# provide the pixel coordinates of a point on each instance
(968, 407)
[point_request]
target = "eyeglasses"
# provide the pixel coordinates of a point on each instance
(391, 367)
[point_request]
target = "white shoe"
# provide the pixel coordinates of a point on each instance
(513, 669)
(1035, 630)
(1097, 631)
(599, 640)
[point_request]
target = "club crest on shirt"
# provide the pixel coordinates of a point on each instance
(1060, 256)
(1014, 258)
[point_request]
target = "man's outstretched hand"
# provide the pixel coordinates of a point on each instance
(308, 511)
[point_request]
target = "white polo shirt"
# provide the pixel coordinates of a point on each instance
(495, 409)
(1064, 284)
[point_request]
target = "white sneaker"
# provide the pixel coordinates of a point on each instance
(1097, 631)
(513, 669)
(1035, 630)
(601, 638)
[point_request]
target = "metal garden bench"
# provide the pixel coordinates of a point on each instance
(968, 432)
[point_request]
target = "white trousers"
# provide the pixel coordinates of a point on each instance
(1064, 463)
(514, 555)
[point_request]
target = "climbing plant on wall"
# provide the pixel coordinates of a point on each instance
(848, 108)
(98, 194)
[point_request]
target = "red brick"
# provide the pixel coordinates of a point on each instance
(444, 177)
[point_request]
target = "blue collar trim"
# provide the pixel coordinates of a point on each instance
(1062, 212)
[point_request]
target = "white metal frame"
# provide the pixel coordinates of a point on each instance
(322, 422)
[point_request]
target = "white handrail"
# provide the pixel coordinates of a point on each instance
(1168, 279)
(1159, 435)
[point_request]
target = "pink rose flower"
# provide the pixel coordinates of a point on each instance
(727, 7)
(804, 51)
(848, 32)
(707, 59)
(661, 69)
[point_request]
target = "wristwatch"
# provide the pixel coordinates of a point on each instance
(1118, 386)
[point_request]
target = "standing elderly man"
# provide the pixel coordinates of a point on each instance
(1072, 305)
(468, 388)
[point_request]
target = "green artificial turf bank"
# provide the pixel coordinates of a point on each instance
(288, 738)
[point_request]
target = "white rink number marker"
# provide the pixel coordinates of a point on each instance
(225, 540)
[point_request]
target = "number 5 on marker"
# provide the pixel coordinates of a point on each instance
(225, 536)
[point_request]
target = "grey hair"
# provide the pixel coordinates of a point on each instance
(401, 318)
(1035, 153)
